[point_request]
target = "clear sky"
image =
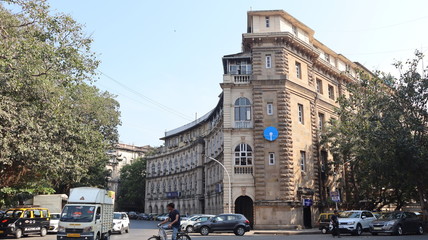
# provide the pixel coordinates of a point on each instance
(170, 52)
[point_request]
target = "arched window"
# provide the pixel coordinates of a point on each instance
(159, 168)
(242, 109)
(170, 165)
(243, 155)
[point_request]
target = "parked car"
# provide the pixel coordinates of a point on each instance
(120, 222)
(162, 217)
(154, 216)
(188, 225)
(355, 221)
(397, 223)
(25, 221)
(144, 216)
(132, 215)
(324, 222)
(2, 213)
(53, 222)
(235, 223)
(184, 217)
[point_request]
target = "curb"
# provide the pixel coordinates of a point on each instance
(286, 233)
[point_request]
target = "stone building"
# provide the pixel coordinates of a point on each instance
(278, 95)
(123, 154)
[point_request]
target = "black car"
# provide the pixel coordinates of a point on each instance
(235, 223)
(397, 223)
(24, 221)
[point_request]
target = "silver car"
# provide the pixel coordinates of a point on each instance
(187, 225)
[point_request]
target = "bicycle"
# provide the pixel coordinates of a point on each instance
(162, 235)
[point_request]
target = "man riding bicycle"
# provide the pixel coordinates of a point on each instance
(174, 219)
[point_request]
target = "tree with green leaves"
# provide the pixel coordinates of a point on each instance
(132, 187)
(55, 126)
(380, 142)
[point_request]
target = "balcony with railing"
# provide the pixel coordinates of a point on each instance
(243, 170)
(241, 79)
(243, 124)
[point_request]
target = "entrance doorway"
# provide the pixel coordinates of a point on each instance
(244, 206)
(307, 217)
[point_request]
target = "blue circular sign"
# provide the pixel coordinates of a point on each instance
(270, 133)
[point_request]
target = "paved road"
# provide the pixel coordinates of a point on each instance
(142, 230)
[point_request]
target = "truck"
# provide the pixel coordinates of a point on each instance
(87, 215)
(53, 202)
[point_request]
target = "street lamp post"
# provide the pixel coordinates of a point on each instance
(228, 178)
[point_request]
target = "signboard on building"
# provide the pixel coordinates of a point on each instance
(173, 194)
(335, 196)
(308, 202)
(270, 134)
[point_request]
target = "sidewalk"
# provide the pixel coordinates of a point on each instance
(287, 232)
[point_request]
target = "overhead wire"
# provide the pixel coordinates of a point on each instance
(149, 100)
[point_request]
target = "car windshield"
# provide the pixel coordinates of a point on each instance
(117, 216)
(78, 214)
(55, 216)
(350, 215)
(194, 218)
(390, 216)
(14, 213)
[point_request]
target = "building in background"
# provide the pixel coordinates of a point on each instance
(123, 154)
(278, 95)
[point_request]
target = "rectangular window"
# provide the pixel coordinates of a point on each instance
(319, 86)
(301, 114)
(303, 161)
(298, 70)
(321, 120)
(295, 31)
(267, 22)
(271, 158)
(327, 57)
(268, 61)
(269, 109)
(331, 92)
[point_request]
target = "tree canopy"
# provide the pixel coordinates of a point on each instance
(380, 142)
(55, 125)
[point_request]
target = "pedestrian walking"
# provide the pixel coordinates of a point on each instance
(335, 223)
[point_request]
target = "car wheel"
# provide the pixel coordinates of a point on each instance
(205, 231)
(189, 229)
(239, 231)
(359, 230)
(127, 229)
(122, 230)
(97, 237)
(420, 230)
(324, 231)
(18, 233)
(399, 231)
(374, 234)
(107, 236)
(43, 232)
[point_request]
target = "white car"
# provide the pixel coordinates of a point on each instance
(187, 225)
(355, 221)
(121, 222)
(53, 222)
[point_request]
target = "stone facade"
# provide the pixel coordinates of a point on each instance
(283, 78)
(122, 155)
